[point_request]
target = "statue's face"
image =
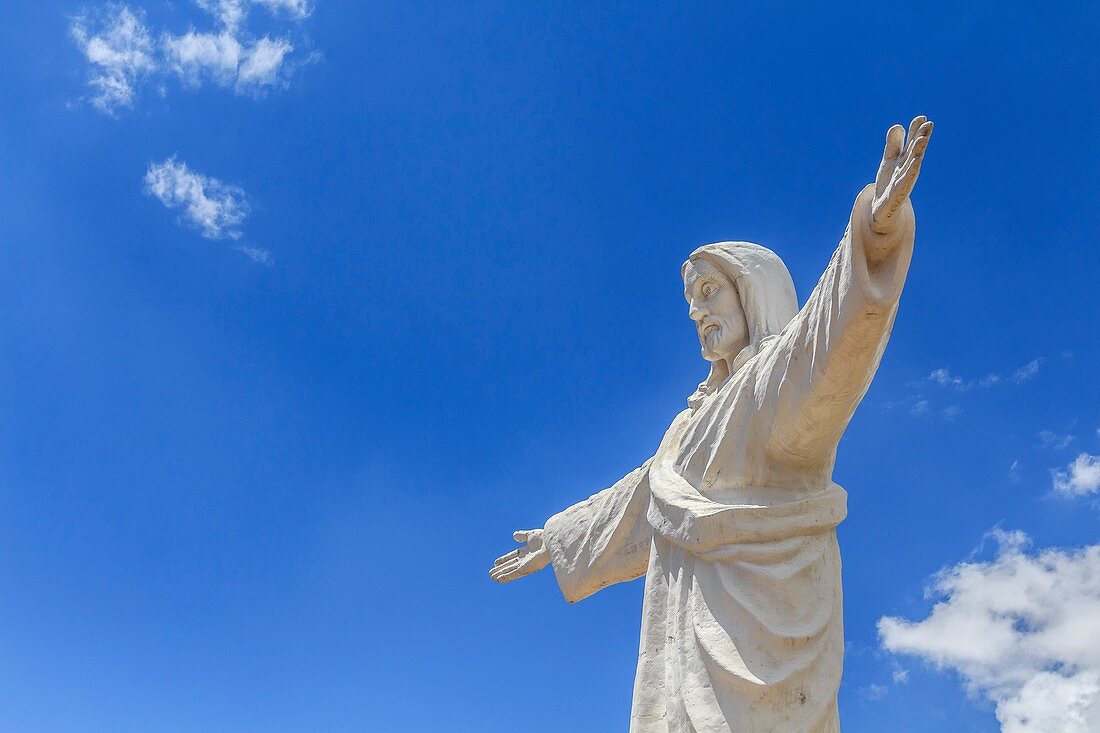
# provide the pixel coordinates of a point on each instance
(715, 306)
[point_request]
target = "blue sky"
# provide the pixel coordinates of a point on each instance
(257, 455)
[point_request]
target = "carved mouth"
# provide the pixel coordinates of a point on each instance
(710, 328)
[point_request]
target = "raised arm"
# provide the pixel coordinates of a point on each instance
(822, 365)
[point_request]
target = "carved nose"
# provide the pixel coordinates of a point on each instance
(696, 313)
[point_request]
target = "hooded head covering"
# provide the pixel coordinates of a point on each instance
(767, 296)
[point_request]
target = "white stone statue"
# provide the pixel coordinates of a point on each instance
(733, 520)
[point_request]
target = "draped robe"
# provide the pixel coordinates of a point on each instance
(733, 520)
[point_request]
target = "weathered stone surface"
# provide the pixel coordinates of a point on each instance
(733, 520)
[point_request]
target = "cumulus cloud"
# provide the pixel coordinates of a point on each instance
(214, 208)
(118, 47)
(123, 53)
(1022, 630)
(1080, 478)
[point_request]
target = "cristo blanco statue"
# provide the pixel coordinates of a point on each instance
(733, 520)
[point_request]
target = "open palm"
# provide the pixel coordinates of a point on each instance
(528, 558)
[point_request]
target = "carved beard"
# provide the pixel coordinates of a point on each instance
(717, 338)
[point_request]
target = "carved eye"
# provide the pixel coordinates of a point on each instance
(707, 290)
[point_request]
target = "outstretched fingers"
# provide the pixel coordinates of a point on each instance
(895, 139)
(918, 141)
(910, 167)
(900, 167)
(903, 184)
(513, 555)
(505, 571)
(914, 127)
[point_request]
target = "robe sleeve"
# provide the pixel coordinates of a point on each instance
(823, 362)
(604, 539)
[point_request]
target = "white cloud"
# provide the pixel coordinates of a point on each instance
(944, 378)
(123, 54)
(230, 13)
(297, 9)
(197, 56)
(1027, 371)
(1022, 630)
(117, 45)
(1054, 441)
(261, 256)
(263, 63)
(223, 59)
(874, 692)
(215, 208)
(1080, 477)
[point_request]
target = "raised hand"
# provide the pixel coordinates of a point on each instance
(897, 174)
(532, 556)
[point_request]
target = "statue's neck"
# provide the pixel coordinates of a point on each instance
(725, 368)
(722, 369)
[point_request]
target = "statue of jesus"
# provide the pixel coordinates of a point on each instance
(733, 520)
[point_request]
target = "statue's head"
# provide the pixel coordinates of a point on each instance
(714, 304)
(739, 295)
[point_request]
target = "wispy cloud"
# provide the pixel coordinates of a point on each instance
(927, 402)
(1054, 441)
(944, 378)
(297, 9)
(1079, 478)
(231, 13)
(1027, 371)
(874, 691)
(261, 256)
(214, 208)
(919, 406)
(224, 60)
(119, 49)
(123, 54)
(1020, 630)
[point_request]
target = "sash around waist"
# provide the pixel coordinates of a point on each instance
(700, 525)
